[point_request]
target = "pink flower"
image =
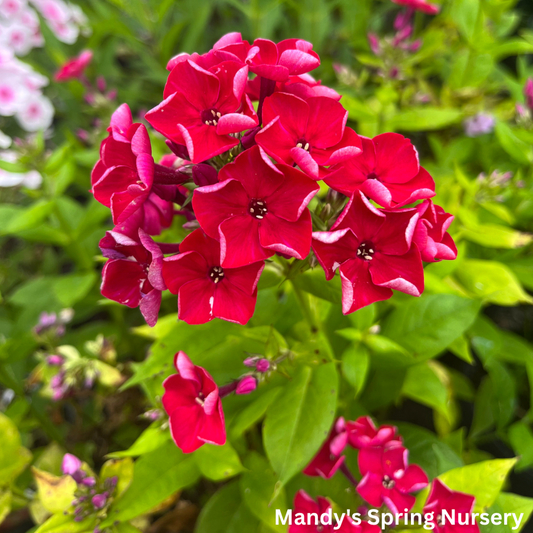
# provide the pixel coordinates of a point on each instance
(36, 113)
(70, 465)
(246, 385)
(256, 210)
(431, 236)
(440, 499)
(528, 93)
(419, 5)
(387, 171)
(328, 460)
(388, 479)
(310, 133)
(203, 108)
(373, 41)
(132, 276)
(363, 434)
(74, 68)
(291, 57)
(99, 500)
(373, 252)
(303, 503)
(207, 290)
(192, 402)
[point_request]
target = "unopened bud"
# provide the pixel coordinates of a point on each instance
(54, 360)
(263, 365)
(89, 482)
(246, 385)
(99, 500)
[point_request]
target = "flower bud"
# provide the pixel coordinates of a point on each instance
(101, 84)
(99, 500)
(246, 385)
(89, 482)
(71, 464)
(250, 362)
(374, 43)
(263, 365)
(54, 360)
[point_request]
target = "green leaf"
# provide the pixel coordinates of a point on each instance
(13, 457)
(27, 218)
(424, 119)
(492, 281)
(5, 504)
(61, 523)
(518, 149)
(149, 440)
(355, 366)
(427, 325)
(461, 348)
(156, 476)
(226, 513)
(55, 493)
(513, 504)
(496, 236)
(485, 480)
(521, 438)
(71, 288)
(218, 462)
(315, 283)
(299, 420)
(253, 412)
(427, 384)
(262, 493)
(122, 469)
(386, 352)
(465, 15)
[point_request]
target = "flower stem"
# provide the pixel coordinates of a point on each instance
(303, 301)
(349, 476)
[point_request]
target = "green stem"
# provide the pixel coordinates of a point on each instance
(305, 307)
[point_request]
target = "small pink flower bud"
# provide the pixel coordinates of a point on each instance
(112, 94)
(373, 40)
(415, 45)
(89, 482)
(101, 84)
(70, 465)
(521, 110)
(54, 360)
(99, 500)
(82, 134)
(246, 385)
(250, 362)
(263, 365)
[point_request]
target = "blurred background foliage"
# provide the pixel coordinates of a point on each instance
(453, 369)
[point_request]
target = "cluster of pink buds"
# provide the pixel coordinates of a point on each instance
(92, 495)
(388, 482)
(244, 180)
(53, 323)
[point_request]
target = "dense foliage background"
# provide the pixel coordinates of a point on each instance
(453, 369)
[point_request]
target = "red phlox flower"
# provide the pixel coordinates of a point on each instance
(329, 459)
(304, 504)
(372, 250)
(133, 276)
(388, 479)
(440, 499)
(312, 133)
(363, 433)
(74, 68)
(388, 172)
(122, 178)
(203, 107)
(193, 404)
(205, 289)
(419, 5)
(431, 236)
(256, 210)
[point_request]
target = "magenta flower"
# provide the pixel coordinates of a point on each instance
(246, 385)
(388, 479)
(122, 178)
(99, 500)
(310, 133)
(303, 503)
(372, 250)
(419, 5)
(440, 499)
(363, 433)
(207, 290)
(328, 460)
(74, 68)
(256, 210)
(202, 108)
(431, 236)
(133, 276)
(192, 402)
(387, 171)
(70, 465)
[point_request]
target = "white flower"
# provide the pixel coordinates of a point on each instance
(13, 93)
(36, 114)
(5, 140)
(16, 36)
(31, 179)
(12, 9)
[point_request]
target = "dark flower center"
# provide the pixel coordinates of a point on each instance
(372, 176)
(388, 483)
(365, 251)
(210, 117)
(440, 521)
(257, 208)
(200, 399)
(216, 274)
(302, 143)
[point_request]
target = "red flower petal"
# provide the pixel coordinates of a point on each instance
(196, 300)
(396, 158)
(232, 304)
(185, 423)
(121, 281)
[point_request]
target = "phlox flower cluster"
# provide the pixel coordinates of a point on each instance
(388, 483)
(244, 176)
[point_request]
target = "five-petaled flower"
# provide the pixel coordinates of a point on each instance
(388, 479)
(388, 172)
(207, 289)
(203, 108)
(132, 276)
(373, 251)
(192, 402)
(363, 433)
(312, 133)
(74, 68)
(441, 499)
(256, 210)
